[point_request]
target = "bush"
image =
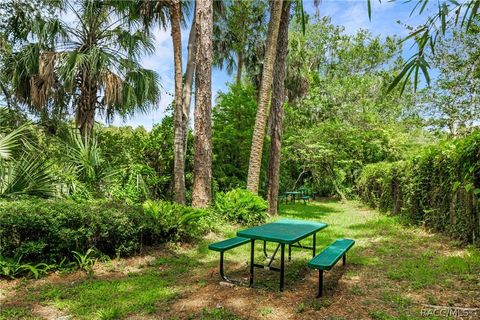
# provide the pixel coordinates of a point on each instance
(49, 230)
(241, 206)
(439, 188)
(175, 222)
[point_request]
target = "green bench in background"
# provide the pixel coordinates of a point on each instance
(326, 259)
(226, 245)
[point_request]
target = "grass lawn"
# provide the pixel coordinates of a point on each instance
(391, 272)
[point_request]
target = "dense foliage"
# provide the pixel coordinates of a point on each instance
(49, 230)
(233, 120)
(339, 117)
(439, 188)
(241, 206)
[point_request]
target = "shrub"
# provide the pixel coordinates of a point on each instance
(174, 221)
(50, 230)
(438, 188)
(241, 206)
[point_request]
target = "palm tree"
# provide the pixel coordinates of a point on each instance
(463, 15)
(95, 59)
(202, 188)
(263, 98)
(276, 111)
(162, 13)
(27, 173)
(233, 47)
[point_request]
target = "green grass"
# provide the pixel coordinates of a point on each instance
(13, 312)
(112, 298)
(390, 265)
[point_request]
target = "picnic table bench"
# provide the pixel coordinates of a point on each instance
(226, 245)
(326, 259)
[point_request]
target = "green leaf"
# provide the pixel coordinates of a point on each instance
(456, 185)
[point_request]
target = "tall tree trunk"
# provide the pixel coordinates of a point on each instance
(263, 99)
(189, 73)
(202, 170)
(276, 111)
(180, 128)
(85, 116)
(239, 66)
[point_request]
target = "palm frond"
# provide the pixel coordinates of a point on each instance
(10, 141)
(30, 175)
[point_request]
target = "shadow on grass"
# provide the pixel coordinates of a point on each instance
(312, 210)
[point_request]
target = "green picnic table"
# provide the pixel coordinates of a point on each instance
(284, 232)
(294, 194)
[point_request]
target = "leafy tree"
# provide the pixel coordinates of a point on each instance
(345, 119)
(453, 101)
(159, 155)
(233, 120)
(94, 59)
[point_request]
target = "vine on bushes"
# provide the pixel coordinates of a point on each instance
(439, 188)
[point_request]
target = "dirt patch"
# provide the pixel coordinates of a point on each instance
(49, 312)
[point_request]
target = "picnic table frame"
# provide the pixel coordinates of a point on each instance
(284, 232)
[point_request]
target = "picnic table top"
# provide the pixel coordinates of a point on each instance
(286, 231)
(293, 192)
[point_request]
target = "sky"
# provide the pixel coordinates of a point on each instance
(351, 14)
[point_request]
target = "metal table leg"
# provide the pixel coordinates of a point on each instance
(282, 265)
(252, 260)
(289, 252)
(314, 244)
(320, 283)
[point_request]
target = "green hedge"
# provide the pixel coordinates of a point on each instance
(49, 230)
(439, 188)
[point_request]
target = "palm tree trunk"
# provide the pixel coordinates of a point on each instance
(263, 99)
(276, 111)
(189, 73)
(239, 66)
(85, 117)
(202, 170)
(179, 139)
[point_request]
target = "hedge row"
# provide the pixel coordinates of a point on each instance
(439, 188)
(41, 230)
(48, 230)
